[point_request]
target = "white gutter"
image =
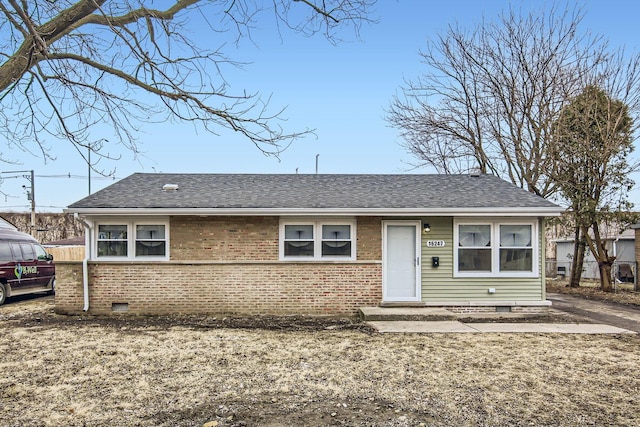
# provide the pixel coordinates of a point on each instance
(467, 212)
(85, 261)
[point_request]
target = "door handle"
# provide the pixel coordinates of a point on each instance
(417, 261)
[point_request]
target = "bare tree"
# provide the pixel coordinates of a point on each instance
(490, 96)
(70, 65)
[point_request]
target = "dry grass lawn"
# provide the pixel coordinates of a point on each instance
(77, 371)
(624, 293)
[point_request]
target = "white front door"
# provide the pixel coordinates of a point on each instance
(401, 261)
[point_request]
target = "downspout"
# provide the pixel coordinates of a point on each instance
(85, 261)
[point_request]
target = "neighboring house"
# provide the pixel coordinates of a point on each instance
(622, 246)
(307, 244)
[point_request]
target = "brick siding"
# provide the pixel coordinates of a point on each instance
(210, 287)
(223, 238)
(229, 265)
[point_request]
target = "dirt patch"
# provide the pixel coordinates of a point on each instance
(190, 371)
(40, 313)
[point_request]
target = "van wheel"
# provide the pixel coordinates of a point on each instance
(3, 293)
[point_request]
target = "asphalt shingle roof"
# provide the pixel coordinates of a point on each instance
(298, 191)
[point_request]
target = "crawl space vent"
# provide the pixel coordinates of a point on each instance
(120, 307)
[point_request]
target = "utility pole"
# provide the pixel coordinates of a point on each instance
(31, 195)
(33, 203)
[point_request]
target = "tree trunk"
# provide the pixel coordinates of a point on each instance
(578, 259)
(606, 281)
(598, 248)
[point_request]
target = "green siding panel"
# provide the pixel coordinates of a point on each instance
(438, 284)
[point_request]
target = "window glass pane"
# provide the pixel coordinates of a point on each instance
(298, 248)
(145, 247)
(112, 232)
(474, 259)
(515, 235)
(474, 236)
(27, 251)
(516, 260)
(41, 253)
(17, 253)
(5, 252)
(298, 232)
(112, 248)
(336, 232)
(150, 240)
(112, 240)
(150, 232)
(336, 248)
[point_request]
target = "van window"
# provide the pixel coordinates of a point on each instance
(27, 251)
(41, 253)
(5, 252)
(17, 253)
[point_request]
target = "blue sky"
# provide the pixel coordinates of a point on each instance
(341, 91)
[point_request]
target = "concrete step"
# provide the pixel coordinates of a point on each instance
(370, 314)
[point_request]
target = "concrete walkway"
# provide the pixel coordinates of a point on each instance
(449, 326)
(597, 311)
(591, 317)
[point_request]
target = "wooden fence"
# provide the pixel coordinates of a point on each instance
(66, 253)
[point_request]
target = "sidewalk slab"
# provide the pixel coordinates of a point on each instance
(562, 328)
(458, 327)
(408, 326)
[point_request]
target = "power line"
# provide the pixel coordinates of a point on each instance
(66, 176)
(70, 176)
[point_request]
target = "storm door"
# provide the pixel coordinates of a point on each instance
(401, 261)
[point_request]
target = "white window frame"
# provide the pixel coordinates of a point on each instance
(495, 272)
(317, 238)
(131, 239)
(97, 240)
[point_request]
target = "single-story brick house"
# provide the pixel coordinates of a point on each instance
(307, 244)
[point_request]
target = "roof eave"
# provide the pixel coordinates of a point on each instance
(466, 212)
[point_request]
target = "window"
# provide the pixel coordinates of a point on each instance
(336, 240)
(496, 249)
(17, 253)
(150, 240)
(5, 252)
(516, 253)
(41, 253)
(317, 240)
(132, 240)
(112, 240)
(27, 252)
(474, 243)
(298, 240)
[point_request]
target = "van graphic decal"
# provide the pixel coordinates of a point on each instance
(20, 270)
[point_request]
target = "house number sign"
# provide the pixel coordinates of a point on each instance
(435, 243)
